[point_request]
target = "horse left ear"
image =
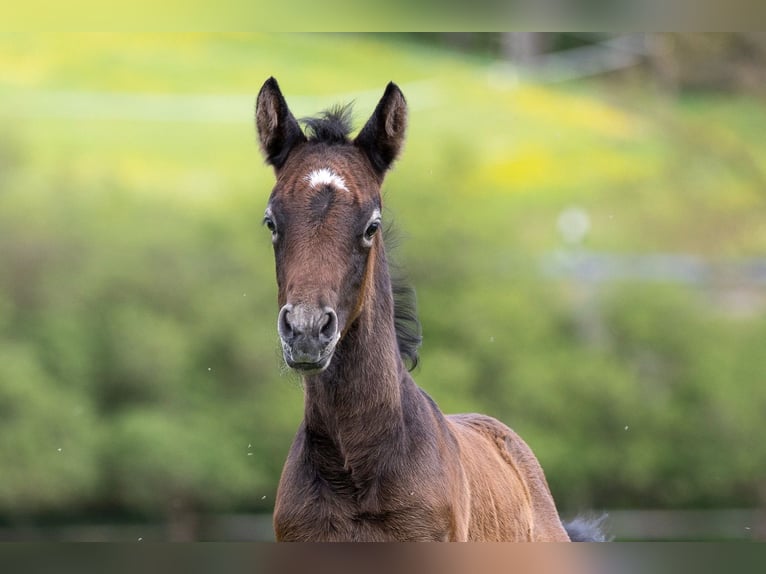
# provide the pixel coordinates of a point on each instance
(278, 130)
(382, 136)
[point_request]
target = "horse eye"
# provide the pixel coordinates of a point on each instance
(372, 229)
(269, 223)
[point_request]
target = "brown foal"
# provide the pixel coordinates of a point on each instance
(374, 458)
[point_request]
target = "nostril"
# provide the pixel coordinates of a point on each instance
(329, 325)
(284, 327)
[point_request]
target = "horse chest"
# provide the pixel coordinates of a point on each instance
(337, 512)
(333, 523)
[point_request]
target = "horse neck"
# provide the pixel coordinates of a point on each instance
(357, 402)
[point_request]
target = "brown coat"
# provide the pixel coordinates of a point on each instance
(374, 458)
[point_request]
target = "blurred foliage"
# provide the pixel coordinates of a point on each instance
(728, 62)
(139, 366)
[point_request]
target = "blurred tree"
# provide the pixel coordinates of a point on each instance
(720, 61)
(49, 445)
(524, 47)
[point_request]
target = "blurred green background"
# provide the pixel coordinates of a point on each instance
(583, 217)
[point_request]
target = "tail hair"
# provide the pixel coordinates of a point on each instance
(587, 529)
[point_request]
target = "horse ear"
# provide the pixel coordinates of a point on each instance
(278, 131)
(382, 136)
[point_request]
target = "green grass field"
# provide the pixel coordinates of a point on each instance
(172, 115)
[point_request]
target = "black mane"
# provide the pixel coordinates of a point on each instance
(406, 322)
(407, 325)
(331, 126)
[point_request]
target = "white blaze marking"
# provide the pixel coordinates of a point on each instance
(326, 176)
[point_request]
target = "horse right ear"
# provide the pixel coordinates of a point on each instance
(278, 130)
(382, 136)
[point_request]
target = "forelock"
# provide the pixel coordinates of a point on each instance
(332, 126)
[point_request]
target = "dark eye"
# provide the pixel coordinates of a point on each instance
(269, 223)
(372, 229)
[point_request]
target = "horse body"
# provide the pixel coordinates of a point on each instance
(421, 476)
(510, 498)
(374, 458)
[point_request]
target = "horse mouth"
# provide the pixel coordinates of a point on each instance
(308, 367)
(306, 356)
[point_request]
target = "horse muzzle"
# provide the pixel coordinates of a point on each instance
(308, 335)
